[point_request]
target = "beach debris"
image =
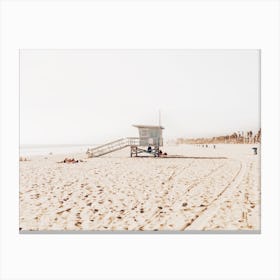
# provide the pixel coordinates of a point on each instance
(66, 210)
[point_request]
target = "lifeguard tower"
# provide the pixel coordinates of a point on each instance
(150, 139)
(149, 142)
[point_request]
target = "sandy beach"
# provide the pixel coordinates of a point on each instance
(116, 192)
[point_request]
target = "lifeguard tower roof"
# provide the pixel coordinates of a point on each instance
(148, 126)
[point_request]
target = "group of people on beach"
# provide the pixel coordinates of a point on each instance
(160, 153)
(70, 160)
(206, 146)
(23, 159)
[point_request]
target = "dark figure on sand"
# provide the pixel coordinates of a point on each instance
(70, 160)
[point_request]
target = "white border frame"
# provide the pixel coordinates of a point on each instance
(147, 24)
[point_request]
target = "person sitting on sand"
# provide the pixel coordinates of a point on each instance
(149, 149)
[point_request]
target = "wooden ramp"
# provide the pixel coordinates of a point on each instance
(113, 146)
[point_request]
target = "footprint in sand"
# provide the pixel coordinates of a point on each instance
(78, 224)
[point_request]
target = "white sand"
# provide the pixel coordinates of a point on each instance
(116, 192)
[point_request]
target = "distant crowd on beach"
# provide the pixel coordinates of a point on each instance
(239, 137)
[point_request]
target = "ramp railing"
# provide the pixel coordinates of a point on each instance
(113, 146)
(116, 145)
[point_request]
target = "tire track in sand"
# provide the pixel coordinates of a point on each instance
(209, 211)
(169, 182)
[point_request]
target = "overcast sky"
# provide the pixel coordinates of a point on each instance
(88, 97)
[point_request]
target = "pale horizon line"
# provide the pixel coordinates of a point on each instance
(26, 145)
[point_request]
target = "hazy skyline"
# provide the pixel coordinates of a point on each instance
(88, 96)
